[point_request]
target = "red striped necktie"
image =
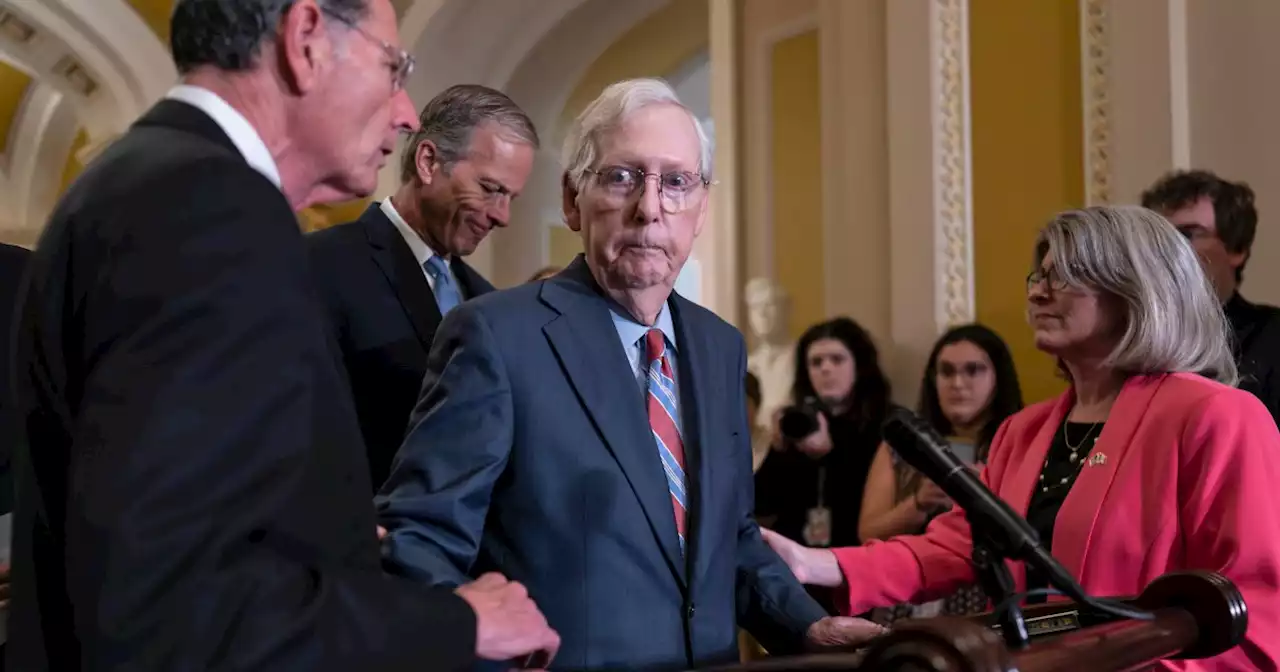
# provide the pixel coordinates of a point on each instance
(663, 420)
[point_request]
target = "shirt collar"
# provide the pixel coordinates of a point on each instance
(632, 331)
(242, 133)
(421, 250)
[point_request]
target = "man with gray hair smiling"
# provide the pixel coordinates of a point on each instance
(387, 278)
(587, 435)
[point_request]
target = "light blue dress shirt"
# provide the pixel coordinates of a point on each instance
(632, 333)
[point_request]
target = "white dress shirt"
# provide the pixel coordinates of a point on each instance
(421, 251)
(242, 134)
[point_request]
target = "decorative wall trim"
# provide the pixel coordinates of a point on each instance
(953, 165)
(761, 53)
(1095, 57)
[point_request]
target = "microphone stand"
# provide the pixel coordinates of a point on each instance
(989, 555)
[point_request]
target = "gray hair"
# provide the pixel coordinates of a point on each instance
(449, 120)
(611, 108)
(1175, 321)
(228, 34)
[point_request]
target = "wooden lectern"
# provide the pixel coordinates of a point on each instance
(1196, 615)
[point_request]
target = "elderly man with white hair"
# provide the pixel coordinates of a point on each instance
(587, 435)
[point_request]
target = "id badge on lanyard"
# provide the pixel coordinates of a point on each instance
(817, 525)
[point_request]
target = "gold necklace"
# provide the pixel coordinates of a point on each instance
(1074, 458)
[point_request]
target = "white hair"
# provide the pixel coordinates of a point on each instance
(1175, 321)
(617, 102)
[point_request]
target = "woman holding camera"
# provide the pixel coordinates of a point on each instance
(1151, 462)
(810, 488)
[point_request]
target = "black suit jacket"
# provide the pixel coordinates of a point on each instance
(195, 495)
(531, 454)
(384, 317)
(13, 261)
(1257, 345)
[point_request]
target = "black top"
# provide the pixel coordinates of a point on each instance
(13, 261)
(1061, 467)
(1257, 347)
(789, 483)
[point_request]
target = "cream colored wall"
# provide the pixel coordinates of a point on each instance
(1185, 83)
(894, 236)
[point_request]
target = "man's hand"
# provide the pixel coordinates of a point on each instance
(508, 623)
(842, 632)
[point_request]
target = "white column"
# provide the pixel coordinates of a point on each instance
(930, 188)
(718, 250)
(1136, 95)
(855, 157)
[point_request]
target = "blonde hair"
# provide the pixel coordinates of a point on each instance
(1174, 320)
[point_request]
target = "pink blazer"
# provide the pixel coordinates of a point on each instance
(1191, 480)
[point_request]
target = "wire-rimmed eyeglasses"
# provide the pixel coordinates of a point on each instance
(678, 190)
(401, 61)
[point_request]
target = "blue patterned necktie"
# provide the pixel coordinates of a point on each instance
(446, 292)
(663, 414)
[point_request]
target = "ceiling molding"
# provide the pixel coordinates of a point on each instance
(101, 55)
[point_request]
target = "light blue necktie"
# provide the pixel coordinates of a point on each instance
(446, 292)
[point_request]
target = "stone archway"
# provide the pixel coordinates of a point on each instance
(94, 65)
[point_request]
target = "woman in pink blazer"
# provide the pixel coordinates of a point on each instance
(1151, 462)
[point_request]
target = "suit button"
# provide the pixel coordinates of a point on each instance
(688, 611)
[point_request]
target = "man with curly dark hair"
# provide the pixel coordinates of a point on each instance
(1220, 219)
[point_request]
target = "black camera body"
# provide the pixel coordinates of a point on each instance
(800, 420)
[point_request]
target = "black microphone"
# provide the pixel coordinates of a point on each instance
(917, 443)
(992, 520)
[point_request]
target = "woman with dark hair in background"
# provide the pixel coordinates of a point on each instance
(970, 386)
(810, 488)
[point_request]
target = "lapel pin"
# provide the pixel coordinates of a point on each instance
(1097, 459)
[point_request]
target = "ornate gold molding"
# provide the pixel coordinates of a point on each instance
(953, 194)
(1095, 57)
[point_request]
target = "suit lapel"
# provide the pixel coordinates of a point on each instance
(1100, 468)
(586, 344)
(1023, 483)
(470, 282)
(396, 260)
(695, 357)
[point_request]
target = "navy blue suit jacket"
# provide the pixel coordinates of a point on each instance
(530, 454)
(384, 317)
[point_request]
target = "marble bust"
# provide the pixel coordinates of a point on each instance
(773, 359)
